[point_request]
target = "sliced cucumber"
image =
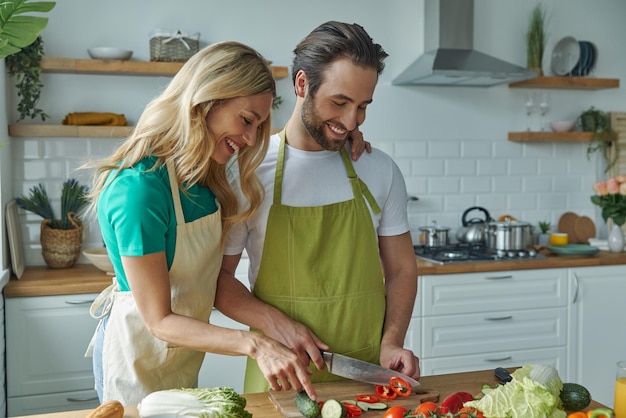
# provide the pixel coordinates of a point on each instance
(379, 406)
(363, 405)
(350, 401)
(332, 408)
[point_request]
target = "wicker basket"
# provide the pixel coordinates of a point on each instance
(61, 247)
(173, 47)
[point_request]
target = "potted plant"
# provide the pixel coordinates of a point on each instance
(22, 47)
(61, 238)
(543, 238)
(536, 39)
(599, 123)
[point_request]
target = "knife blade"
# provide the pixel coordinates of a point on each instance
(362, 371)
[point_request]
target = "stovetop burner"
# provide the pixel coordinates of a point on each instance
(468, 253)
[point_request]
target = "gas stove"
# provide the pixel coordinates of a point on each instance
(471, 253)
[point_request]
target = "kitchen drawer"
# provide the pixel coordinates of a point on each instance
(555, 357)
(413, 339)
(495, 331)
(46, 340)
(52, 402)
(493, 291)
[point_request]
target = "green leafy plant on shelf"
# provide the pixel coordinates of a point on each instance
(73, 199)
(544, 226)
(599, 123)
(22, 47)
(536, 37)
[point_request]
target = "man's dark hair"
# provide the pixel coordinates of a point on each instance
(330, 41)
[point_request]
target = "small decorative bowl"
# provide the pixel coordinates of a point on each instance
(108, 53)
(100, 258)
(562, 125)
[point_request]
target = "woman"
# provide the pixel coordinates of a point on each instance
(164, 204)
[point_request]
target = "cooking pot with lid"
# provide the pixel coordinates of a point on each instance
(509, 235)
(473, 230)
(434, 236)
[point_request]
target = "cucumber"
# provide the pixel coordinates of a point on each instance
(307, 406)
(332, 408)
(575, 397)
(363, 405)
(379, 406)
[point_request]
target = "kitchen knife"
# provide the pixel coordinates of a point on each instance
(362, 371)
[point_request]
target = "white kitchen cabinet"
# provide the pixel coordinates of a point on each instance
(46, 341)
(597, 337)
(479, 321)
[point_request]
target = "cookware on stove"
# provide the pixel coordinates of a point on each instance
(434, 236)
(473, 230)
(509, 235)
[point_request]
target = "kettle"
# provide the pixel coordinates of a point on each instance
(474, 230)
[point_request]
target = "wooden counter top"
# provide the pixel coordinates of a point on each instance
(260, 406)
(85, 278)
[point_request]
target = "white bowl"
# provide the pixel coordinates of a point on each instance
(107, 53)
(562, 125)
(100, 258)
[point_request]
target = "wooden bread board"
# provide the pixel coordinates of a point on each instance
(343, 390)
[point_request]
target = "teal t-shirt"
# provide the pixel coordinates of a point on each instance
(136, 213)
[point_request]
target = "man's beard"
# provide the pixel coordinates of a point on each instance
(315, 126)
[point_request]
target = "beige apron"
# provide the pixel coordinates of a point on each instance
(135, 363)
(321, 267)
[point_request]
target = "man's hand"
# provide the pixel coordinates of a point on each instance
(400, 359)
(358, 144)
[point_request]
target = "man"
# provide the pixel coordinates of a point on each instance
(332, 263)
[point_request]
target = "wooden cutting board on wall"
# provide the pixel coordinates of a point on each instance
(344, 390)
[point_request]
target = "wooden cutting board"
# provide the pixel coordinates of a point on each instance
(343, 390)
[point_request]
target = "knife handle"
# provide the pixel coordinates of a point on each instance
(502, 374)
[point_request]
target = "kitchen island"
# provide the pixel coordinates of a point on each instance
(260, 405)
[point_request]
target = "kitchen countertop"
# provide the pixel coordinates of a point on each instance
(85, 278)
(260, 406)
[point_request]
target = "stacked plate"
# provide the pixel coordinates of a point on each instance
(573, 58)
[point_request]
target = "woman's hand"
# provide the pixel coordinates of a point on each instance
(358, 144)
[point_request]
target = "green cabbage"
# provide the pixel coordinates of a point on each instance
(534, 392)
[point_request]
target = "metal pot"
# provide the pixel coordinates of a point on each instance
(434, 236)
(473, 230)
(509, 235)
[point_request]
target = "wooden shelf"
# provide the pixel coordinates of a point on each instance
(153, 68)
(550, 136)
(72, 131)
(584, 83)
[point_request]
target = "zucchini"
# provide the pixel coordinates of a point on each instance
(575, 397)
(307, 406)
(332, 408)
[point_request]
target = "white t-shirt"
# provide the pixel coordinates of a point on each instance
(320, 178)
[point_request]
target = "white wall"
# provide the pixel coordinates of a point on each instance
(451, 143)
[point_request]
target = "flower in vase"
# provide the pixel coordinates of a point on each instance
(611, 198)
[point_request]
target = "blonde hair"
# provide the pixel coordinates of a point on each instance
(173, 128)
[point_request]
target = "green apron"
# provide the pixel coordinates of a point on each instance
(321, 267)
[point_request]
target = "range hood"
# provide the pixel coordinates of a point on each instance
(450, 58)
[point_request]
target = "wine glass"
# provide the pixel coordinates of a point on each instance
(530, 106)
(544, 106)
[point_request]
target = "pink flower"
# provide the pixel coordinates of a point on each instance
(621, 179)
(612, 186)
(600, 188)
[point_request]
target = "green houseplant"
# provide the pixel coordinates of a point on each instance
(22, 47)
(61, 238)
(599, 123)
(536, 39)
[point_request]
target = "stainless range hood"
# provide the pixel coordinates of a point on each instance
(450, 58)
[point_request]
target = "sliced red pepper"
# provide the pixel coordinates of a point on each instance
(367, 398)
(454, 402)
(385, 392)
(400, 386)
(352, 410)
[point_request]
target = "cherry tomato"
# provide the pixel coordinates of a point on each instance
(400, 386)
(367, 398)
(470, 412)
(385, 392)
(395, 412)
(425, 408)
(352, 410)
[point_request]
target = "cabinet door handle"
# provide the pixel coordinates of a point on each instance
(499, 277)
(575, 288)
(494, 360)
(91, 399)
(499, 318)
(79, 302)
